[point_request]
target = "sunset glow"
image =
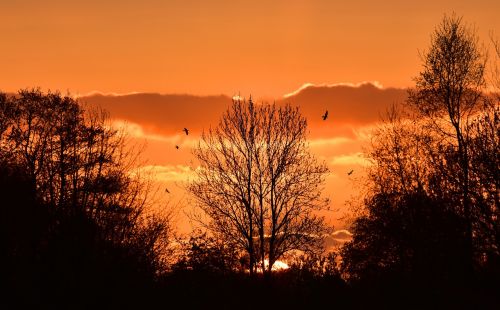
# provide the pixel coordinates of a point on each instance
(317, 54)
(161, 153)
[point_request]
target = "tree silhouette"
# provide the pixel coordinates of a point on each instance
(484, 145)
(408, 227)
(202, 253)
(451, 85)
(68, 193)
(431, 208)
(258, 184)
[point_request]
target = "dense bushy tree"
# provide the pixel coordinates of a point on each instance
(408, 225)
(75, 216)
(431, 209)
(203, 253)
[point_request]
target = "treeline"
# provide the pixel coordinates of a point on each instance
(77, 230)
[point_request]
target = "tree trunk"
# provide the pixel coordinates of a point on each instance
(464, 163)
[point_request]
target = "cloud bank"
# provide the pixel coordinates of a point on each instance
(349, 105)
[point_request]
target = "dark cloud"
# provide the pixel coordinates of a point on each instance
(163, 114)
(349, 107)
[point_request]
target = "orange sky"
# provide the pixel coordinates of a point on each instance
(267, 48)
(158, 120)
(208, 51)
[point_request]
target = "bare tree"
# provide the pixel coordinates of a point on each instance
(258, 184)
(287, 185)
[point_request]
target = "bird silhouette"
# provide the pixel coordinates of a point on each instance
(350, 172)
(177, 147)
(325, 116)
(186, 131)
(167, 191)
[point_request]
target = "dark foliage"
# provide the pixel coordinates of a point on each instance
(406, 237)
(287, 289)
(69, 235)
(205, 254)
(428, 226)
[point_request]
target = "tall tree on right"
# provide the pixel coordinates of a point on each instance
(448, 94)
(431, 210)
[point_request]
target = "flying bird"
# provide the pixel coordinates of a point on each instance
(325, 116)
(177, 147)
(350, 172)
(186, 131)
(167, 191)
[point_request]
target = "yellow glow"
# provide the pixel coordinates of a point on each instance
(278, 265)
